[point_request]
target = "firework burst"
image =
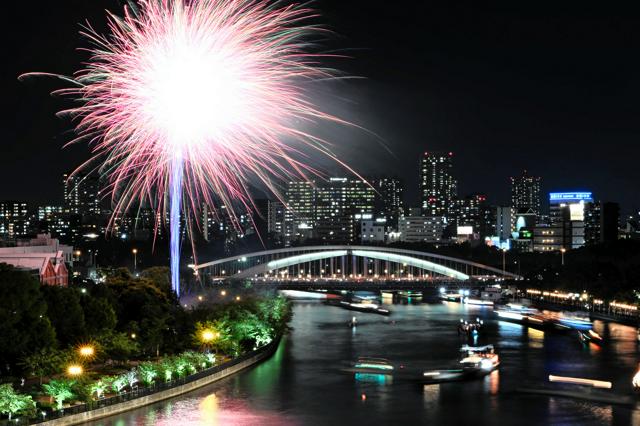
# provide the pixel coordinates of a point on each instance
(189, 101)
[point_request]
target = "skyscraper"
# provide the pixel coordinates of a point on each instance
(438, 188)
(300, 213)
(338, 201)
(14, 219)
(525, 193)
(275, 222)
(81, 194)
(389, 199)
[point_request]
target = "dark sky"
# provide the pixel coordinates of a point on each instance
(550, 87)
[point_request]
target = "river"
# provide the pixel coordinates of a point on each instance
(303, 383)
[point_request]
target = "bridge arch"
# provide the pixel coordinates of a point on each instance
(354, 258)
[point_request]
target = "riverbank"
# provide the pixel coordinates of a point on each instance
(188, 384)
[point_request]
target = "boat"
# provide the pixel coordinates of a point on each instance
(590, 336)
(364, 306)
(478, 302)
(372, 365)
(410, 293)
(472, 329)
(482, 358)
(570, 320)
(519, 314)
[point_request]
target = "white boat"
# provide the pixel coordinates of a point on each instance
(479, 357)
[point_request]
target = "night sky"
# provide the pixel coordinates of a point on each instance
(553, 88)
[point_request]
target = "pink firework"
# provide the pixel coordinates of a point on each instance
(195, 99)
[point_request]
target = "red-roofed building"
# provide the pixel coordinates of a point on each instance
(50, 267)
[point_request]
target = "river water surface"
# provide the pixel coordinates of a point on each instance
(304, 382)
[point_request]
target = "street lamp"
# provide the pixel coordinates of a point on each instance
(504, 263)
(86, 351)
(135, 258)
(562, 251)
(74, 370)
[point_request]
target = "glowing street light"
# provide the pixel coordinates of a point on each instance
(86, 351)
(74, 370)
(562, 251)
(135, 258)
(208, 336)
(504, 264)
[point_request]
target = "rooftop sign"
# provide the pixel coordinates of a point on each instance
(558, 197)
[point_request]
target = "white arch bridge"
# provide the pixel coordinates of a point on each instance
(346, 262)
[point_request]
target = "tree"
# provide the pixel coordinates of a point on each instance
(12, 402)
(119, 383)
(66, 313)
(118, 346)
(131, 378)
(44, 362)
(99, 315)
(100, 386)
(160, 277)
(148, 373)
(60, 391)
(24, 326)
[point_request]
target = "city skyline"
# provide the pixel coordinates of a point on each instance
(551, 136)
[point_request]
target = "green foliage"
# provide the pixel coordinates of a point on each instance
(148, 373)
(145, 302)
(12, 402)
(82, 389)
(131, 377)
(119, 383)
(160, 277)
(66, 313)
(44, 362)
(118, 346)
(199, 360)
(99, 315)
(165, 370)
(60, 390)
(181, 366)
(24, 325)
(100, 386)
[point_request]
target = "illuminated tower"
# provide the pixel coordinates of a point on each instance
(525, 193)
(437, 185)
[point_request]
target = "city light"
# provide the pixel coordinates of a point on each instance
(74, 370)
(86, 351)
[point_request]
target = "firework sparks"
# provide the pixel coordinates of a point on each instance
(192, 100)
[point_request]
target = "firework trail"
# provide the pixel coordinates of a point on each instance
(192, 100)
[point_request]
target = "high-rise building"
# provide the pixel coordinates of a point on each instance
(525, 193)
(438, 188)
(300, 212)
(503, 222)
(326, 210)
(276, 222)
(338, 201)
(601, 222)
(389, 199)
(81, 194)
(472, 211)
(415, 227)
(567, 217)
(14, 219)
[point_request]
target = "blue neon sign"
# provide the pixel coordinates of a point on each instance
(557, 197)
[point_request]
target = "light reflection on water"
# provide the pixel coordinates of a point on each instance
(304, 382)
